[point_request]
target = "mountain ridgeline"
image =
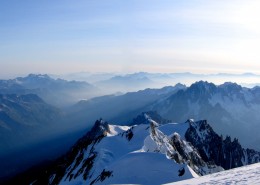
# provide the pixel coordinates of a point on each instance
(57, 92)
(231, 108)
(122, 108)
(28, 116)
(133, 154)
(213, 148)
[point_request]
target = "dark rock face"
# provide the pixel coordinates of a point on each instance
(213, 148)
(253, 156)
(181, 172)
(100, 128)
(181, 151)
(182, 156)
(129, 134)
(104, 174)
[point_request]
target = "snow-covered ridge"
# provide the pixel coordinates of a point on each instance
(116, 129)
(142, 154)
(123, 150)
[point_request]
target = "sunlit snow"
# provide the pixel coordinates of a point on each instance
(244, 175)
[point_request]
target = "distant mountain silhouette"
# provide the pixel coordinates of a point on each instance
(57, 92)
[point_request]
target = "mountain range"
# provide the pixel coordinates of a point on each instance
(231, 108)
(30, 112)
(57, 92)
(114, 82)
(119, 108)
(150, 153)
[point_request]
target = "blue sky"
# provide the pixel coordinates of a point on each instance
(64, 36)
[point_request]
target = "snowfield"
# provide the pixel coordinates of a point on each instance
(134, 161)
(146, 168)
(153, 154)
(244, 175)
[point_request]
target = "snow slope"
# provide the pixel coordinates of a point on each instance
(244, 175)
(139, 159)
(146, 168)
(146, 154)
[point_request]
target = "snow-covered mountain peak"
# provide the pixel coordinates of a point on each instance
(202, 86)
(38, 76)
(231, 89)
(190, 121)
(116, 129)
(180, 85)
(100, 128)
(230, 86)
(202, 129)
(139, 154)
(34, 78)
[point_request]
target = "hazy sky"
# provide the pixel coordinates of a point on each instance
(62, 36)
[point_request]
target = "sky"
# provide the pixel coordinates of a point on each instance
(66, 36)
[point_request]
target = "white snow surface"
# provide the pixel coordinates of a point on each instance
(146, 168)
(244, 175)
(116, 129)
(138, 161)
